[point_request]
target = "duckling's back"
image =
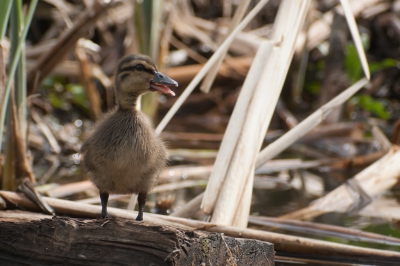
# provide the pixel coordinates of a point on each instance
(123, 155)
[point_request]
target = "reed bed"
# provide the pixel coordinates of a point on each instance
(235, 137)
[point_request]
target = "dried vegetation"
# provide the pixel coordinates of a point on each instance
(277, 114)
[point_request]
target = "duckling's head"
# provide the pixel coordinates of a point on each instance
(137, 74)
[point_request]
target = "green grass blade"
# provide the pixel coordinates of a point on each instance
(156, 21)
(16, 26)
(14, 63)
(5, 10)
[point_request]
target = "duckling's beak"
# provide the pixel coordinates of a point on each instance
(160, 83)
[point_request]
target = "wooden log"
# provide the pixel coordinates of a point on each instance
(35, 239)
(285, 244)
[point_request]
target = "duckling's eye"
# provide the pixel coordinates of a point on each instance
(140, 67)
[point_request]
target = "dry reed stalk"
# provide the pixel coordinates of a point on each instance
(241, 216)
(235, 125)
(226, 8)
(336, 130)
(303, 127)
(207, 66)
(19, 160)
(306, 125)
(378, 177)
(355, 34)
(381, 138)
(286, 30)
(41, 124)
(245, 43)
(357, 161)
(318, 32)
(282, 243)
(318, 116)
(382, 208)
(91, 92)
(70, 189)
(287, 116)
(287, 139)
(183, 28)
(210, 77)
(235, 193)
(379, 8)
(319, 229)
(320, 29)
(185, 74)
(132, 202)
(190, 209)
(46, 63)
(190, 52)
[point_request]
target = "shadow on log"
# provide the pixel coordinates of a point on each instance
(34, 239)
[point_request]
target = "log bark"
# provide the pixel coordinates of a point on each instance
(34, 239)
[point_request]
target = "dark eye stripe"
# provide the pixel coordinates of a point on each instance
(151, 71)
(129, 68)
(133, 68)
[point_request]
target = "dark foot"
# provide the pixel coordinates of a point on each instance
(139, 217)
(107, 216)
(142, 197)
(104, 200)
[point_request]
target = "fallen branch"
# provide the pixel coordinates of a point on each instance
(282, 243)
(377, 178)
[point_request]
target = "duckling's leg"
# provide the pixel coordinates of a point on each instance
(104, 200)
(142, 197)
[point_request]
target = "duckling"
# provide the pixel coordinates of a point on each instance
(123, 155)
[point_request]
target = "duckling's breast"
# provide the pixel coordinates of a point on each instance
(123, 155)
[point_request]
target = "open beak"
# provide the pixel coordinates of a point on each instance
(160, 83)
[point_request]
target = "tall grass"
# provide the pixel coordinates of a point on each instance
(11, 13)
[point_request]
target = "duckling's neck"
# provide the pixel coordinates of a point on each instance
(129, 101)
